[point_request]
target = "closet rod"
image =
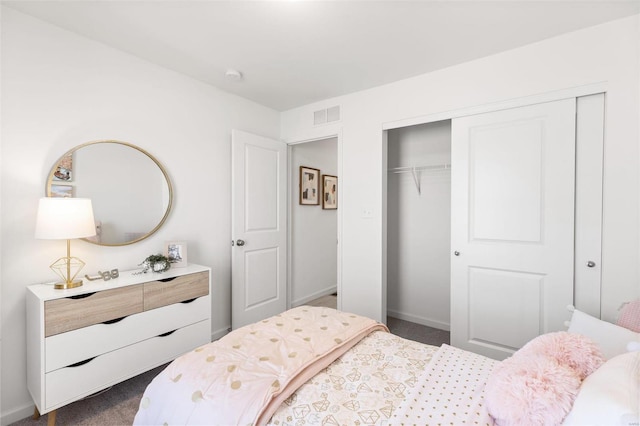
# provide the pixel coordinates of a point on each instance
(415, 172)
(412, 169)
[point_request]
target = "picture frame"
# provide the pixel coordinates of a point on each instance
(62, 191)
(64, 169)
(176, 252)
(329, 192)
(309, 186)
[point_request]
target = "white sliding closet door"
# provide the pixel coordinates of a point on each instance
(513, 184)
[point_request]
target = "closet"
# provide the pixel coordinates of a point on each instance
(497, 215)
(419, 223)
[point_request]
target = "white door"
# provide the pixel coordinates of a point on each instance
(513, 183)
(259, 228)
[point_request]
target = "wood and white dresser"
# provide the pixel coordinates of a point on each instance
(85, 339)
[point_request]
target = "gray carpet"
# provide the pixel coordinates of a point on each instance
(417, 332)
(402, 328)
(118, 405)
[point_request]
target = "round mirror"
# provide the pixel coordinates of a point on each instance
(130, 191)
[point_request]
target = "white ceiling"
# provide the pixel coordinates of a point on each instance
(296, 52)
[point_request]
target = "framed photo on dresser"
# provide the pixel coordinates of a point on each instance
(176, 252)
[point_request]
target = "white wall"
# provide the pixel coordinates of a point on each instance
(314, 231)
(419, 225)
(606, 53)
(60, 90)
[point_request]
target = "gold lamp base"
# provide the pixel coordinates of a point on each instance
(70, 284)
(67, 268)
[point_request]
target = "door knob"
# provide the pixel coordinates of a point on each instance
(457, 253)
(591, 264)
(240, 243)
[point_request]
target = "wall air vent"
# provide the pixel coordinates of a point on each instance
(324, 116)
(333, 114)
(319, 117)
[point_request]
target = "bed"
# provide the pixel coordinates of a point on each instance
(319, 366)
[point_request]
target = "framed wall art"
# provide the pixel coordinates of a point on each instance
(309, 186)
(329, 192)
(176, 252)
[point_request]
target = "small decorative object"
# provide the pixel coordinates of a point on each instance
(309, 186)
(155, 263)
(176, 252)
(95, 277)
(329, 192)
(106, 276)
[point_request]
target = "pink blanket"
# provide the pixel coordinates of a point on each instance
(244, 377)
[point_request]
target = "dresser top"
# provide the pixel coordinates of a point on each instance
(126, 278)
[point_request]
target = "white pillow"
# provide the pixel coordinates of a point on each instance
(610, 395)
(611, 338)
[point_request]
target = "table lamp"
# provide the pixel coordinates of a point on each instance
(65, 219)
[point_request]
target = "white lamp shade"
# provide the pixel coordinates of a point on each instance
(65, 218)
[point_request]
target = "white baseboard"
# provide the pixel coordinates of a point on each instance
(317, 294)
(17, 414)
(219, 333)
(440, 325)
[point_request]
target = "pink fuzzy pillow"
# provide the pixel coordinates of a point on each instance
(538, 384)
(630, 316)
(573, 350)
(531, 390)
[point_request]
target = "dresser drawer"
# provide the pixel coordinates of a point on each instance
(69, 384)
(61, 315)
(178, 289)
(78, 345)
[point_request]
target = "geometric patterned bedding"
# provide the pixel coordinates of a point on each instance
(365, 386)
(451, 392)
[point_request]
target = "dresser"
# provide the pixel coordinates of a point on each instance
(83, 340)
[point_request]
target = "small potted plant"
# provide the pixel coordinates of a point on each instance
(155, 263)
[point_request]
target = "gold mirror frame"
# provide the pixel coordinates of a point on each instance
(55, 168)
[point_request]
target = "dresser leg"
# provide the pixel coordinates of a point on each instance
(36, 413)
(51, 418)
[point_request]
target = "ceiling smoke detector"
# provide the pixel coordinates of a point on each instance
(233, 75)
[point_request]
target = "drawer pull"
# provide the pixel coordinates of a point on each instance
(113, 321)
(168, 333)
(189, 301)
(78, 364)
(166, 280)
(81, 296)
